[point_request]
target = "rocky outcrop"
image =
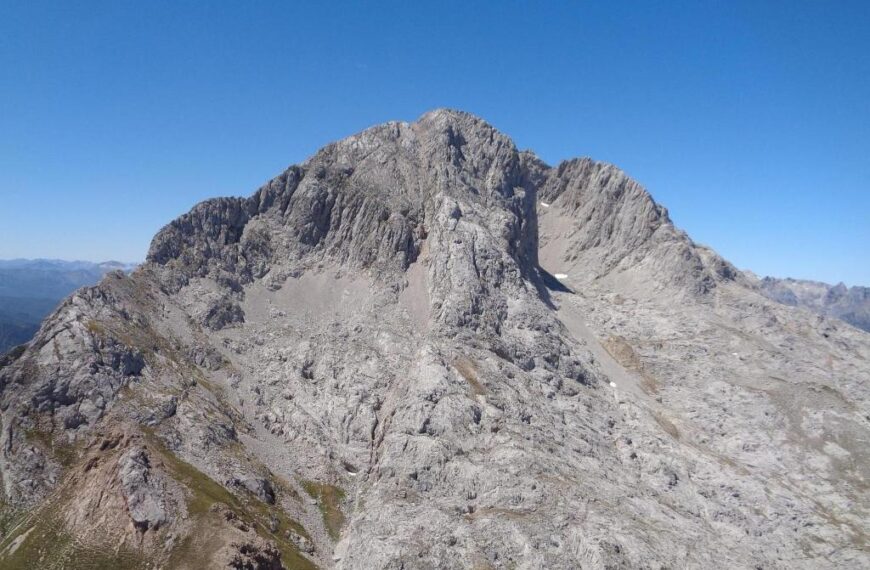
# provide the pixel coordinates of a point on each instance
(424, 347)
(850, 304)
(142, 491)
(62, 384)
(599, 220)
(31, 289)
(255, 555)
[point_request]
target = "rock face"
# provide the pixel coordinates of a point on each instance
(370, 363)
(850, 304)
(144, 495)
(609, 227)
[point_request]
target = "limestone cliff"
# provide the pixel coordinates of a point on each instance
(371, 363)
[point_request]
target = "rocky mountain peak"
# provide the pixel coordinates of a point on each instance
(424, 345)
(372, 201)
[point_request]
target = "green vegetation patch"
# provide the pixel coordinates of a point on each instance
(329, 498)
(63, 451)
(205, 493)
(42, 541)
(9, 519)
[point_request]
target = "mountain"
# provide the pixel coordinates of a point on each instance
(30, 289)
(425, 348)
(850, 304)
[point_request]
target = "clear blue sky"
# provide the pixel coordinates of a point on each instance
(750, 120)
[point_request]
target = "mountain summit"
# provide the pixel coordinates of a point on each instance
(424, 348)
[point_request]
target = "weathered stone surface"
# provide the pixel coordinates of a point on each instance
(258, 486)
(433, 350)
(142, 490)
(610, 228)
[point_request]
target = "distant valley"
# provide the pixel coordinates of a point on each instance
(31, 288)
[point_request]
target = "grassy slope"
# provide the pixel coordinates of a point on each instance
(42, 541)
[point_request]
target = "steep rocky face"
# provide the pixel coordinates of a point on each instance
(850, 304)
(370, 202)
(364, 364)
(610, 228)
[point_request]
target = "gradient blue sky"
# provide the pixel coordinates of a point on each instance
(750, 121)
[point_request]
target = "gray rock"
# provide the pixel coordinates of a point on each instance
(302, 543)
(143, 493)
(223, 313)
(258, 486)
(459, 356)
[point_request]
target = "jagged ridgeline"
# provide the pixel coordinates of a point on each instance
(424, 348)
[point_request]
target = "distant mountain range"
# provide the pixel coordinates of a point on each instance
(31, 288)
(850, 304)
